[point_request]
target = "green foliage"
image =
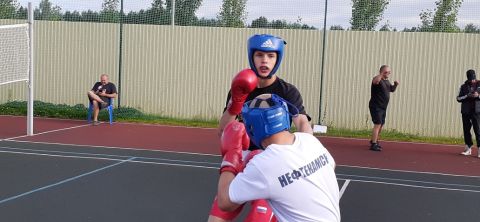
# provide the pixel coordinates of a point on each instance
(184, 11)
(110, 11)
(366, 14)
(470, 28)
(263, 22)
(336, 27)
(47, 11)
(79, 111)
(232, 13)
(443, 19)
(8, 9)
(391, 135)
(44, 109)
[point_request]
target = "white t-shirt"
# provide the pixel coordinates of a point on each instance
(297, 180)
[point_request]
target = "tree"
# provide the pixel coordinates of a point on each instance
(366, 14)
(232, 13)
(48, 11)
(336, 27)
(157, 13)
(471, 28)
(260, 22)
(110, 11)
(443, 19)
(184, 11)
(385, 28)
(413, 29)
(8, 8)
(72, 16)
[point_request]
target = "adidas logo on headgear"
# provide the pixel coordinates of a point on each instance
(268, 44)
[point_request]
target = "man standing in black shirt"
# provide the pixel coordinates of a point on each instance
(469, 96)
(380, 95)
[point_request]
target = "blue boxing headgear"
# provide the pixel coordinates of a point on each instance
(266, 115)
(265, 43)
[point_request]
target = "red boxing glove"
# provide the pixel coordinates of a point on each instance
(250, 156)
(232, 143)
(242, 85)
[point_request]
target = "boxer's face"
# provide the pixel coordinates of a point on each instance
(264, 62)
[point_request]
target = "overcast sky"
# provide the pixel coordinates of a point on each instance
(399, 13)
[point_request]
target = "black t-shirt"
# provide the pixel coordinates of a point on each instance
(109, 88)
(283, 89)
(381, 94)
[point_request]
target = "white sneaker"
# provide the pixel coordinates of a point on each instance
(467, 151)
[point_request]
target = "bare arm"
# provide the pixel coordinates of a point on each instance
(302, 124)
(223, 198)
(224, 120)
(376, 80)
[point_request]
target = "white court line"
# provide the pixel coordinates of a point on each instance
(58, 152)
(408, 171)
(216, 168)
(207, 154)
(406, 180)
(109, 159)
(64, 181)
(344, 187)
(415, 186)
(51, 131)
(114, 147)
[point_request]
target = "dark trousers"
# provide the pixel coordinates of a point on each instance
(470, 120)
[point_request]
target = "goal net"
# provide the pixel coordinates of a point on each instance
(14, 53)
(16, 59)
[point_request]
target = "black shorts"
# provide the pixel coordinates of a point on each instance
(378, 115)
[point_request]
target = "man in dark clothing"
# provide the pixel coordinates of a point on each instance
(469, 95)
(380, 96)
(100, 95)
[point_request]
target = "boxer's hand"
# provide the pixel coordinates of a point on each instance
(242, 85)
(234, 140)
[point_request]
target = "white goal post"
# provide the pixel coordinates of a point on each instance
(16, 59)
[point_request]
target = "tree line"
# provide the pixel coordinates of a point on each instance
(366, 15)
(232, 14)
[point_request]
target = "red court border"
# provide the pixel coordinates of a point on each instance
(418, 157)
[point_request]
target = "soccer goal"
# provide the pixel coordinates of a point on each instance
(16, 59)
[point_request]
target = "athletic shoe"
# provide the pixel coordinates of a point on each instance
(378, 145)
(96, 123)
(467, 151)
(375, 147)
(478, 152)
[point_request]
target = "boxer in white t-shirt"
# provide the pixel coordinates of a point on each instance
(294, 173)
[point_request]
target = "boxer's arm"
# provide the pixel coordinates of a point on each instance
(223, 198)
(301, 123)
(224, 120)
